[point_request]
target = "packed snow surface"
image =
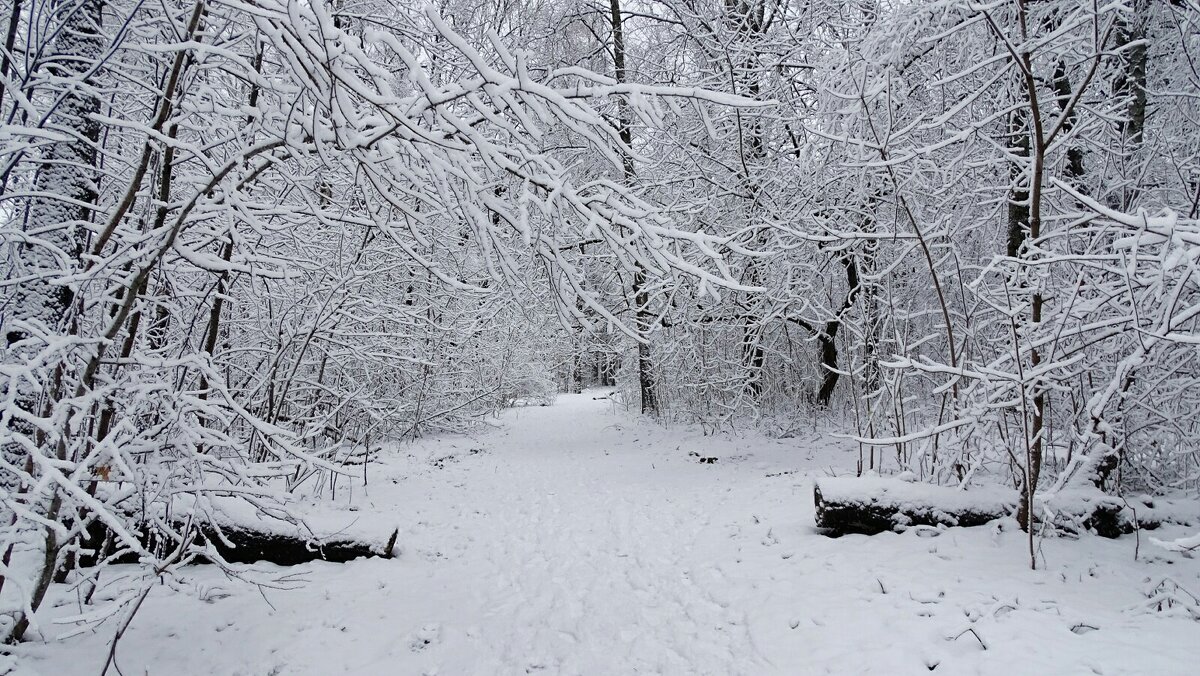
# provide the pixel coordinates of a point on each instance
(574, 539)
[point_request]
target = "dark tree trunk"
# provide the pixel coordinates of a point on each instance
(828, 337)
(1062, 93)
(1018, 198)
(10, 38)
(641, 298)
(829, 363)
(67, 169)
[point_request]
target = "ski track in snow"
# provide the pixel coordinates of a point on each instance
(581, 541)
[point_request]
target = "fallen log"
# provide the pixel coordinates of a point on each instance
(246, 539)
(241, 544)
(870, 505)
(875, 505)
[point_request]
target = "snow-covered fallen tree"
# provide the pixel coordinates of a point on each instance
(871, 505)
(874, 505)
(237, 533)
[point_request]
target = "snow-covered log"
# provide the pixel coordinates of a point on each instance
(873, 505)
(1111, 515)
(250, 540)
(246, 545)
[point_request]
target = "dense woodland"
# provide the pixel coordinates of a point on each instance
(248, 241)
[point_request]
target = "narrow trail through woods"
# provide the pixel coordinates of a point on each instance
(571, 535)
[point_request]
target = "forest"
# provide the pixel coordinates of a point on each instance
(256, 252)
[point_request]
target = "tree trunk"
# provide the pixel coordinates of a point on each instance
(68, 170)
(1034, 440)
(641, 298)
(1018, 198)
(1131, 85)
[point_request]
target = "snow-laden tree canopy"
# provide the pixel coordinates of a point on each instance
(247, 242)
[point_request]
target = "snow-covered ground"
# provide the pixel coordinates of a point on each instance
(580, 541)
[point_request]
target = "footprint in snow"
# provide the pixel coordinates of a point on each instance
(426, 636)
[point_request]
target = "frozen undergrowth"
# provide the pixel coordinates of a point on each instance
(574, 540)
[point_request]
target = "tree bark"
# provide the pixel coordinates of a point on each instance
(641, 297)
(67, 169)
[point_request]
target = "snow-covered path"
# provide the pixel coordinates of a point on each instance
(584, 556)
(575, 540)
(570, 550)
